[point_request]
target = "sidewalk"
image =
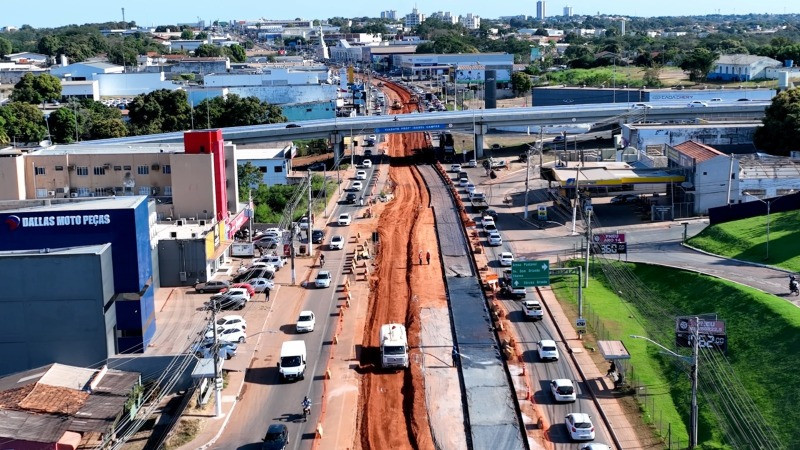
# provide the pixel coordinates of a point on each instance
(601, 386)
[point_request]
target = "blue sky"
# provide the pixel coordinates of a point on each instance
(48, 13)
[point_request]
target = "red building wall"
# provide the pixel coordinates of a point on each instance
(210, 141)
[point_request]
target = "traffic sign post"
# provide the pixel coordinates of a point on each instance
(530, 273)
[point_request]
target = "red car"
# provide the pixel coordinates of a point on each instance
(250, 289)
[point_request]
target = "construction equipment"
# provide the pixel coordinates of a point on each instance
(397, 105)
(413, 100)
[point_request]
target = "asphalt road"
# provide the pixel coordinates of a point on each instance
(265, 398)
(529, 334)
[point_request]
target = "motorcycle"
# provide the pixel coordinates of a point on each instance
(306, 412)
(794, 288)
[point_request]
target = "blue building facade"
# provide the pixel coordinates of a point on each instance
(122, 222)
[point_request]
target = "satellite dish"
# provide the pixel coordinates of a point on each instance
(687, 185)
(128, 181)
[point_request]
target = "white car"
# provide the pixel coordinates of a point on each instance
(455, 168)
(323, 279)
(563, 390)
(470, 189)
(486, 220)
(697, 104)
(337, 242)
(361, 175)
(506, 258)
(372, 137)
(306, 322)
(463, 182)
(344, 219)
(472, 163)
(277, 261)
(533, 309)
(366, 163)
(594, 446)
(261, 284)
(580, 426)
(495, 238)
(232, 320)
(641, 106)
(357, 185)
(547, 350)
(303, 224)
(237, 293)
(204, 349)
(260, 265)
(475, 193)
(233, 334)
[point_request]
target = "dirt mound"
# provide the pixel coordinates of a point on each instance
(392, 404)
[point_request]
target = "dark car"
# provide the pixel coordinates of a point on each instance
(254, 273)
(350, 199)
(277, 437)
(318, 166)
(317, 236)
(625, 198)
(212, 286)
(293, 125)
(367, 152)
(491, 213)
(222, 301)
(267, 243)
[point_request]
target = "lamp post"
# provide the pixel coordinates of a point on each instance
(693, 360)
(767, 202)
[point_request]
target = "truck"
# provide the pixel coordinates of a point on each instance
(394, 346)
(507, 287)
(478, 200)
(447, 145)
(292, 365)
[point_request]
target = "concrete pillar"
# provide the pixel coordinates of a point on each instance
(478, 133)
(337, 142)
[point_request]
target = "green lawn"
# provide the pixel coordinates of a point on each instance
(763, 335)
(746, 239)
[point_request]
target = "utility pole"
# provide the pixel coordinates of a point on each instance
(575, 205)
(252, 214)
(310, 222)
(695, 353)
(325, 191)
(215, 349)
(588, 244)
(527, 179)
(730, 181)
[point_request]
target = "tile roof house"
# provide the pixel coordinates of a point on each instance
(60, 407)
(740, 67)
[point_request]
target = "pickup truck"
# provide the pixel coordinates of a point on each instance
(478, 200)
(497, 163)
(507, 288)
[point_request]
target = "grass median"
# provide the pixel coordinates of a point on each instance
(762, 332)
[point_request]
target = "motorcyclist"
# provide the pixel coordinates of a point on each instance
(321, 260)
(306, 405)
(793, 285)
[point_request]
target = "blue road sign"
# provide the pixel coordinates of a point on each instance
(410, 128)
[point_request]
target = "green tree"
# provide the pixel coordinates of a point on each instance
(3, 134)
(23, 122)
(208, 50)
(233, 111)
(49, 45)
(187, 34)
(698, 63)
(202, 36)
(160, 111)
(62, 124)
(249, 178)
(579, 56)
(520, 83)
(237, 53)
(36, 88)
(781, 131)
(5, 47)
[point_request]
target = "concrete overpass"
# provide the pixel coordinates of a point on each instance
(476, 121)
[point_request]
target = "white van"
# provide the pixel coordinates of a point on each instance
(292, 365)
(394, 345)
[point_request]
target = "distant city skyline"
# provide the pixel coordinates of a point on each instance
(152, 12)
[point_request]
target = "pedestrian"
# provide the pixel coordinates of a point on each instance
(362, 201)
(420, 257)
(428, 257)
(266, 293)
(612, 369)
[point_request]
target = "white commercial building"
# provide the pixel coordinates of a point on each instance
(445, 16)
(712, 176)
(765, 176)
(273, 163)
(80, 89)
(132, 84)
(85, 71)
(741, 67)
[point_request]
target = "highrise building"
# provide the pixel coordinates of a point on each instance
(568, 11)
(470, 22)
(622, 27)
(389, 14)
(414, 19)
(541, 11)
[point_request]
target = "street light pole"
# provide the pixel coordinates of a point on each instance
(693, 422)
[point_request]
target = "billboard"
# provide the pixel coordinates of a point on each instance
(711, 332)
(609, 244)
